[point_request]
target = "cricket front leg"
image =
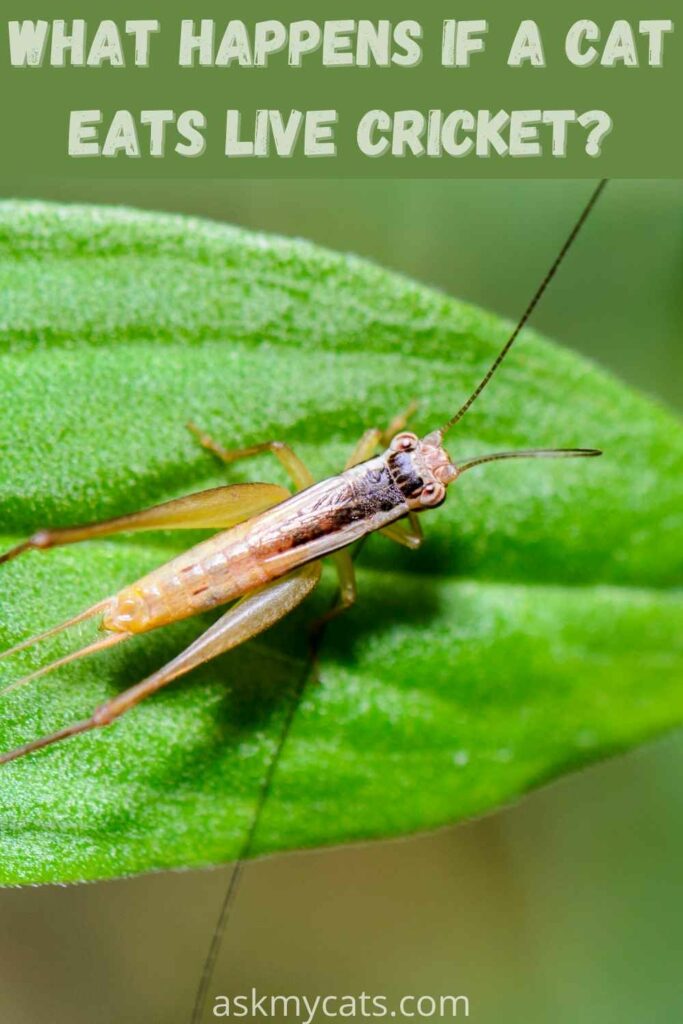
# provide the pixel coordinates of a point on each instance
(253, 614)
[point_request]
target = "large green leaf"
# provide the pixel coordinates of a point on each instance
(538, 629)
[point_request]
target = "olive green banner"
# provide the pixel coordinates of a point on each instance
(343, 89)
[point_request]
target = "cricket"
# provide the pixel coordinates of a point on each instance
(268, 554)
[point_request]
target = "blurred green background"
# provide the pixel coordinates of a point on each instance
(564, 908)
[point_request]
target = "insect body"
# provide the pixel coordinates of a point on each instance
(267, 557)
(317, 521)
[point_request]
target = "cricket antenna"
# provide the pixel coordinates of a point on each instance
(529, 453)
(528, 311)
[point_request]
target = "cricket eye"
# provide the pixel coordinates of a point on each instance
(432, 494)
(404, 442)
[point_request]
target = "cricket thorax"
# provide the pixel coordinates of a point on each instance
(421, 469)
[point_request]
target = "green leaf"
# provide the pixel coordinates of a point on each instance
(538, 628)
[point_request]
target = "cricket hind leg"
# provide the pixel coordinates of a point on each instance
(218, 507)
(251, 615)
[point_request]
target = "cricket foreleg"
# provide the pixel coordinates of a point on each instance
(297, 471)
(216, 508)
(250, 616)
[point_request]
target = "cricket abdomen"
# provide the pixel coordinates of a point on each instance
(210, 574)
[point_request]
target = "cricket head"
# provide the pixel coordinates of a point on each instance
(422, 468)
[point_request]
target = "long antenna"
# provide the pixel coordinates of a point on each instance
(529, 309)
(529, 453)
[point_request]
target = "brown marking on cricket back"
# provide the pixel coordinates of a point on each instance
(365, 495)
(336, 519)
(303, 531)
